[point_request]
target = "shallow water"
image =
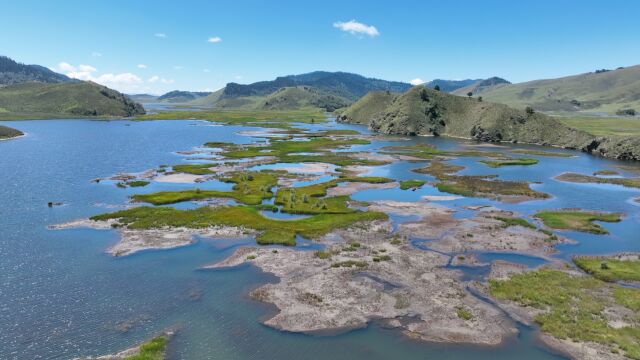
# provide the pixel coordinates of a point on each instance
(62, 296)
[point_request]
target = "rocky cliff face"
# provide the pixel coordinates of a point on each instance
(424, 111)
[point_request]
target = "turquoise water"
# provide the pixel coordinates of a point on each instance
(61, 296)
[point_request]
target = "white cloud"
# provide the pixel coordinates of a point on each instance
(126, 82)
(160, 35)
(357, 28)
(96, 54)
(215, 39)
(141, 66)
(417, 81)
(158, 79)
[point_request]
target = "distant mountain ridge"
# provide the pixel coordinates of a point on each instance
(450, 85)
(13, 72)
(482, 86)
(347, 85)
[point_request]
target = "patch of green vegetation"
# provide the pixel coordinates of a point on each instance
(605, 172)
(271, 231)
(573, 307)
(477, 186)
(137, 183)
(439, 169)
(381, 258)
(280, 148)
(609, 269)
(250, 188)
(542, 153)
(195, 169)
(251, 257)
(515, 222)
(509, 162)
(464, 314)
(580, 178)
(312, 199)
(350, 263)
(322, 254)
(151, 350)
(577, 220)
(411, 184)
(427, 151)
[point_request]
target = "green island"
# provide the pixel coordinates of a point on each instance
(573, 307)
(578, 220)
(509, 162)
(249, 188)
(411, 184)
(580, 178)
(476, 185)
(8, 133)
(271, 231)
(606, 172)
(427, 151)
(154, 349)
(542, 153)
(509, 221)
(610, 268)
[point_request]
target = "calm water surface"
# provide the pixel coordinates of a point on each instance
(61, 296)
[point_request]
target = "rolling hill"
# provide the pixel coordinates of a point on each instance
(178, 96)
(450, 85)
(321, 89)
(481, 86)
(599, 91)
(12, 72)
(424, 111)
(75, 99)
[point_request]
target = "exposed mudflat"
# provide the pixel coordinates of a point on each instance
(409, 290)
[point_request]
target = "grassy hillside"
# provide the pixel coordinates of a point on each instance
(178, 96)
(425, 111)
(77, 99)
(481, 86)
(8, 133)
(607, 91)
(301, 97)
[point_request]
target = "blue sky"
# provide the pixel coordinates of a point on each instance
(156, 46)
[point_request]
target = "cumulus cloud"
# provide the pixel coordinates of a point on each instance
(160, 35)
(417, 81)
(122, 82)
(215, 39)
(356, 28)
(158, 79)
(142, 66)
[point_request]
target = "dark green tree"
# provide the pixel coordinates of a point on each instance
(469, 94)
(436, 88)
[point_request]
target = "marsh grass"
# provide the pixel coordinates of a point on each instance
(151, 350)
(577, 220)
(573, 307)
(271, 231)
(609, 269)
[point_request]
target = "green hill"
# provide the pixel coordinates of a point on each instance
(482, 86)
(600, 91)
(178, 96)
(321, 89)
(75, 99)
(299, 97)
(425, 111)
(8, 133)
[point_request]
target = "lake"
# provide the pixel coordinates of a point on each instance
(61, 296)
